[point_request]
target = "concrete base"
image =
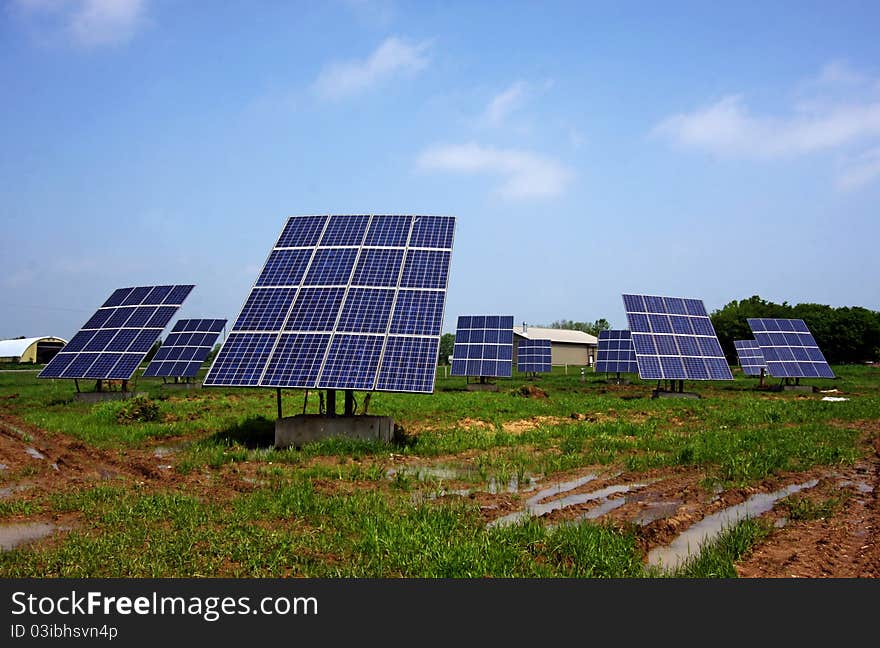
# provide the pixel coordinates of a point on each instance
(303, 428)
(659, 393)
(798, 388)
(192, 385)
(98, 397)
(489, 387)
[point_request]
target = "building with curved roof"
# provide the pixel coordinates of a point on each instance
(38, 350)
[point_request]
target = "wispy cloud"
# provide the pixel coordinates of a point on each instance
(89, 23)
(393, 58)
(728, 128)
(841, 112)
(505, 103)
(525, 175)
(860, 170)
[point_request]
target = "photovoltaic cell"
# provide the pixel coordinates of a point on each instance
(750, 357)
(483, 346)
(789, 349)
(185, 348)
(616, 353)
(673, 339)
(113, 342)
(533, 355)
(344, 302)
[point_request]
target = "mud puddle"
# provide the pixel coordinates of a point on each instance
(689, 543)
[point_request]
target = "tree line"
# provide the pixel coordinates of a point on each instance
(849, 334)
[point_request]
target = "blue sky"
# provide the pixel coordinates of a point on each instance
(586, 149)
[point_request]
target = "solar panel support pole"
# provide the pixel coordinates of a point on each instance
(98, 386)
(331, 402)
(76, 382)
(349, 402)
(278, 398)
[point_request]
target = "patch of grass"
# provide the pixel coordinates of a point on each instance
(803, 508)
(718, 558)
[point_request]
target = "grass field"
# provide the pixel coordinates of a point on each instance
(226, 503)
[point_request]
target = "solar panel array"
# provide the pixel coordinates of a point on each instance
(789, 348)
(344, 302)
(616, 353)
(533, 355)
(115, 340)
(185, 349)
(674, 339)
(483, 346)
(750, 357)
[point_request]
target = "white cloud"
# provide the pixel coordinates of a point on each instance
(90, 23)
(860, 171)
(394, 57)
(524, 174)
(727, 128)
(506, 102)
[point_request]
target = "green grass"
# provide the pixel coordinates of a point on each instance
(360, 522)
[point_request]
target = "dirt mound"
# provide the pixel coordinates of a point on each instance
(529, 391)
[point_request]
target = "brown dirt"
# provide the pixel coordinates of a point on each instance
(842, 546)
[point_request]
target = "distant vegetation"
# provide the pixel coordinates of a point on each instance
(845, 335)
(592, 328)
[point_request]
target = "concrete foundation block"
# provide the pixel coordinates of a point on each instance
(659, 393)
(304, 428)
(183, 386)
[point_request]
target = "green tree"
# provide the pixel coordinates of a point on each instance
(592, 328)
(447, 343)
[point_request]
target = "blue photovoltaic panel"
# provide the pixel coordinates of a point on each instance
(674, 339)
(616, 353)
(483, 346)
(185, 348)
(533, 355)
(789, 349)
(113, 342)
(344, 302)
(750, 357)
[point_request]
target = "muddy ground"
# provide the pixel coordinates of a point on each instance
(657, 505)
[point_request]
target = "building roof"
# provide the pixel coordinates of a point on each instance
(16, 348)
(556, 335)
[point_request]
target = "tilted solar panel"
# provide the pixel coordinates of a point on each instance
(186, 348)
(674, 339)
(483, 346)
(789, 349)
(534, 355)
(344, 302)
(750, 357)
(616, 353)
(114, 341)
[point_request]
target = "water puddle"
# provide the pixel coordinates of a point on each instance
(36, 454)
(515, 484)
(3, 466)
(656, 510)
(12, 535)
(9, 491)
(862, 487)
(689, 543)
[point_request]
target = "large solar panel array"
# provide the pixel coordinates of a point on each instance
(789, 348)
(674, 339)
(750, 357)
(344, 302)
(616, 353)
(483, 346)
(115, 340)
(185, 349)
(534, 355)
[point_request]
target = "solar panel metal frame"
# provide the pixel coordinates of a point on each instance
(534, 355)
(186, 348)
(483, 346)
(114, 341)
(305, 338)
(674, 339)
(616, 353)
(789, 348)
(750, 357)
